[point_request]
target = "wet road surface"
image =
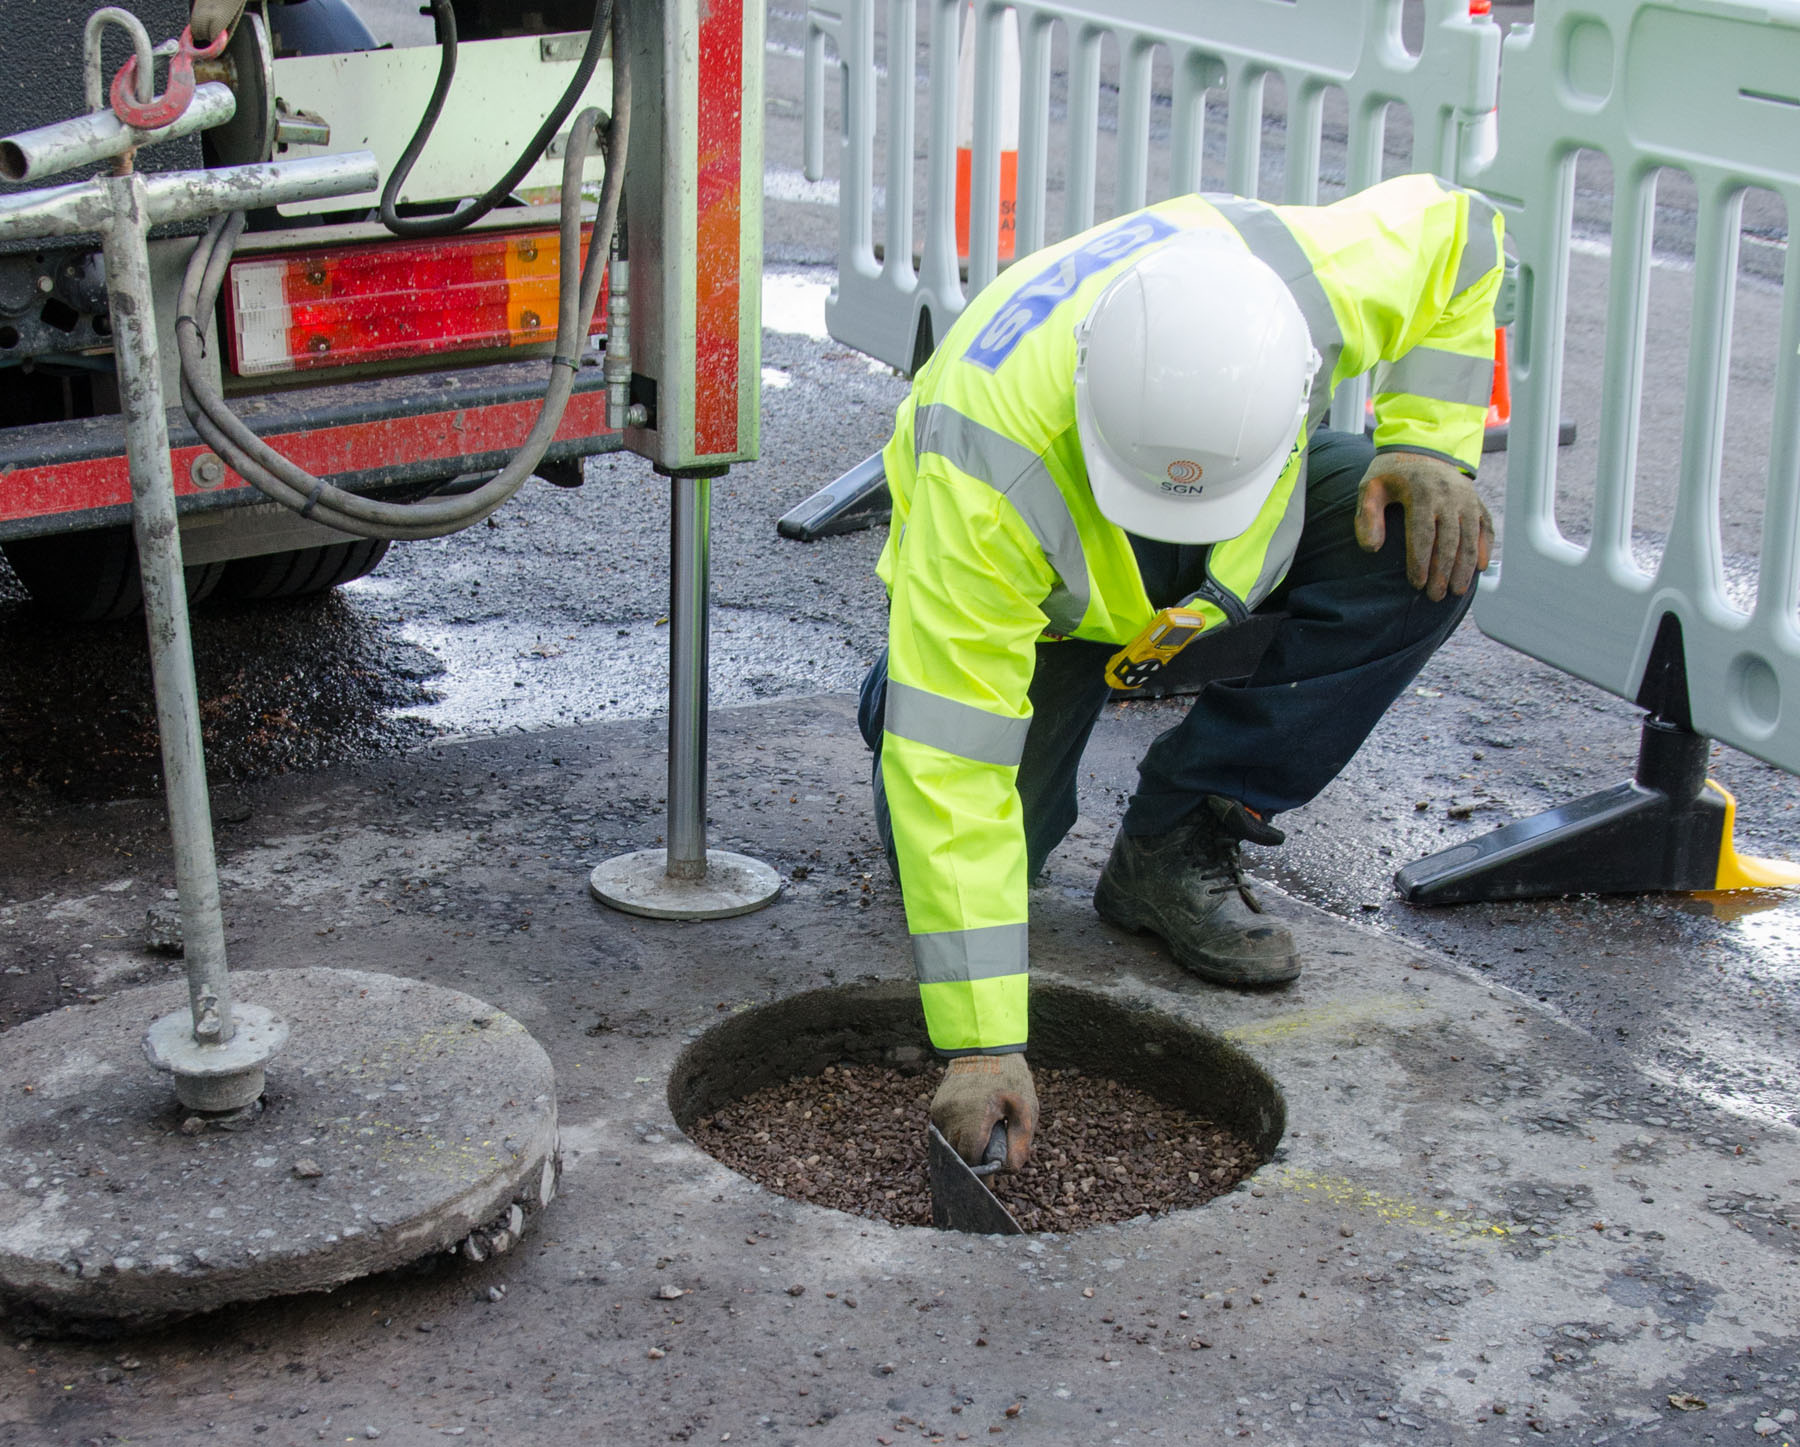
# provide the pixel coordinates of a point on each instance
(345, 712)
(554, 615)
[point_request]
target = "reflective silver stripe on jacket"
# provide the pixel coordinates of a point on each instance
(1443, 376)
(1480, 256)
(951, 957)
(1268, 238)
(1283, 543)
(956, 728)
(1020, 476)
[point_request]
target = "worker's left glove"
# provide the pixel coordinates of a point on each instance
(1449, 532)
(977, 1093)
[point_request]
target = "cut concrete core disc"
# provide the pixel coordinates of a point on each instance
(640, 884)
(400, 1119)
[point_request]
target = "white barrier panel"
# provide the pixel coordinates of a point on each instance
(893, 301)
(1709, 88)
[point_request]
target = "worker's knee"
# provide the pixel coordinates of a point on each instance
(871, 705)
(1335, 464)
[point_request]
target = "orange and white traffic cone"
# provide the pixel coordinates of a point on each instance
(1009, 132)
(1499, 414)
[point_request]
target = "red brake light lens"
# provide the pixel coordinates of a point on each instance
(344, 306)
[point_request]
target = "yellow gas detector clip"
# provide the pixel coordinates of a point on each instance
(1155, 648)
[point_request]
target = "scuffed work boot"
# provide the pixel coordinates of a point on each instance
(1187, 886)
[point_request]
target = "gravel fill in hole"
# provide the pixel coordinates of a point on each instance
(853, 1138)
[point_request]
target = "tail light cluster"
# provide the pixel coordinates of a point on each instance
(348, 305)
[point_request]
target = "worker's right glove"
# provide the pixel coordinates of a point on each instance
(1449, 534)
(976, 1094)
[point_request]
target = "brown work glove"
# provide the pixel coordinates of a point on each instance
(977, 1093)
(1449, 533)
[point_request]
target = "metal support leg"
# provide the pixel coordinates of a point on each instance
(690, 572)
(687, 880)
(441, 1195)
(216, 1051)
(216, 1048)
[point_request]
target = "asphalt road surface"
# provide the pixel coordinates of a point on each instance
(554, 615)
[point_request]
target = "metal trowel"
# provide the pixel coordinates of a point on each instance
(960, 1198)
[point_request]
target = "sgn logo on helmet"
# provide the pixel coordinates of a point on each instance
(1184, 478)
(1032, 304)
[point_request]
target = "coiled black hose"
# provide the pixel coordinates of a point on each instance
(286, 482)
(444, 19)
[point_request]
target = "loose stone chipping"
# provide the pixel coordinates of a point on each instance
(852, 1138)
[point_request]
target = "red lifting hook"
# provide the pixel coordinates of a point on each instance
(161, 110)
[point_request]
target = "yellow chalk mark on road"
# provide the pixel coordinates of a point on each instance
(1371, 1009)
(1343, 1192)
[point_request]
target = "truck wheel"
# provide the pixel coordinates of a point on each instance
(302, 571)
(92, 577)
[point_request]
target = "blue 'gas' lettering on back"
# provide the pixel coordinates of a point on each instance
(1031, 305)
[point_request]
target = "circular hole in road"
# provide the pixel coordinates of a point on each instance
(822, 1097)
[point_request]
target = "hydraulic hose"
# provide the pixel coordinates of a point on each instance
(287, 483)
(444, 18)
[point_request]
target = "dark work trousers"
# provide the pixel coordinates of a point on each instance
(1352, 633)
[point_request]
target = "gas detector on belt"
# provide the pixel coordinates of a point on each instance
(1155, 648)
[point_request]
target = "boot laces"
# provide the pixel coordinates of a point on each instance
(1219, 860)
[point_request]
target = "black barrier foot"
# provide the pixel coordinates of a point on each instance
(1498, 434)
(1670, 828)
(857, 500)
(1494, 438)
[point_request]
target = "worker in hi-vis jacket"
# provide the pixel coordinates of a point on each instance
(1128, 422)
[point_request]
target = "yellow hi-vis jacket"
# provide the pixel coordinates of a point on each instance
(996, 540)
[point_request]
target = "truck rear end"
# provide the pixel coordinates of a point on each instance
(398, 367)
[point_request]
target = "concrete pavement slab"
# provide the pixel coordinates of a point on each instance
(402, 1118)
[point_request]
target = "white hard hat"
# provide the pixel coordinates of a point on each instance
(1192, 373)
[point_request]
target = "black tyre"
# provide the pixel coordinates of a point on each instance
(92, 577)
(301, 572)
